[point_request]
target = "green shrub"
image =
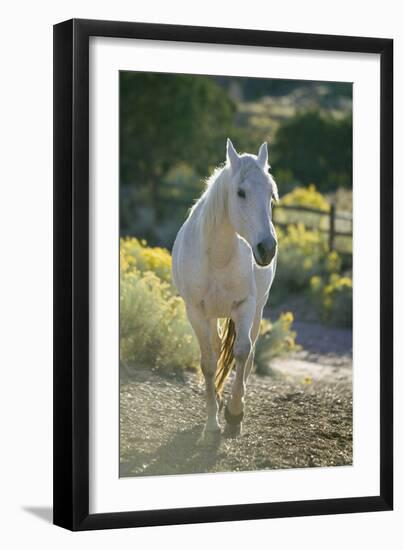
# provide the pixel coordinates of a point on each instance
(316, 146)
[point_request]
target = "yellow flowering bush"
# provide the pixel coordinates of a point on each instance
(305, 263)
(135, 254)
(306, 196)
(334, 298)
(275, 339)
(302, 254)
(332, 262)
(154, 330)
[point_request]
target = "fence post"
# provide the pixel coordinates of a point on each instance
(332, 226)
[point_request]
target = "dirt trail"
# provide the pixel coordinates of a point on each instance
(301, 417)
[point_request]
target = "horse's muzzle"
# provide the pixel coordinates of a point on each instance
(265, 252)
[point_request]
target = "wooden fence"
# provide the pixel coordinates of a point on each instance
(331, 229)
(332, 214)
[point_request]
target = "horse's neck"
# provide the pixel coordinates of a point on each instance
(220, 244)
(217, 236)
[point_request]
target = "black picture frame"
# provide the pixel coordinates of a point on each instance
(71, 274)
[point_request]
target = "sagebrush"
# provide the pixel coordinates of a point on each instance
(154, 330)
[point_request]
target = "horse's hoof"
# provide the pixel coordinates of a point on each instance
(209, 438)
(233, 430)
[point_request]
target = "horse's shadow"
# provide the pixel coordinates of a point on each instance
(182, 454)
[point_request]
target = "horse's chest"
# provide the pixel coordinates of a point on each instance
(221, 293)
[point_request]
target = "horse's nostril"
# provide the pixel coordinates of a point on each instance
(266, 250)
(261, 249)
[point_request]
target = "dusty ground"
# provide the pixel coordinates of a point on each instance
(301, 417)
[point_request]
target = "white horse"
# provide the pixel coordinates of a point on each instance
(223, 263)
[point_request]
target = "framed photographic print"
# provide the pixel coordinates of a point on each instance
(223, 317)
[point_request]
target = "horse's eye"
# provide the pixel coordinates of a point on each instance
(241, 194)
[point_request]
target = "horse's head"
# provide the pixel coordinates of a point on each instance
(251, 192)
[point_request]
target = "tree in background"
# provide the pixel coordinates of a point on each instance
(314, 147)
(167, 120)
(328, 94)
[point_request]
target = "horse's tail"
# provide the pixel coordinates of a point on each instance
(226, 359)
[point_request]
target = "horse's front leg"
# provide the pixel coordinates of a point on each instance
(243, 316)
(204, 330)
(254, 333)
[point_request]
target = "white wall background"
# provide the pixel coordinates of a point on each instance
(26, 280)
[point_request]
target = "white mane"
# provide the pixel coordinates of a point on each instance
(212, 204)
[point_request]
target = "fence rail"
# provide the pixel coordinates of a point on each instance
(332, 214)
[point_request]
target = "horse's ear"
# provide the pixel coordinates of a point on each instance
(263, 155)
(232, 155)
